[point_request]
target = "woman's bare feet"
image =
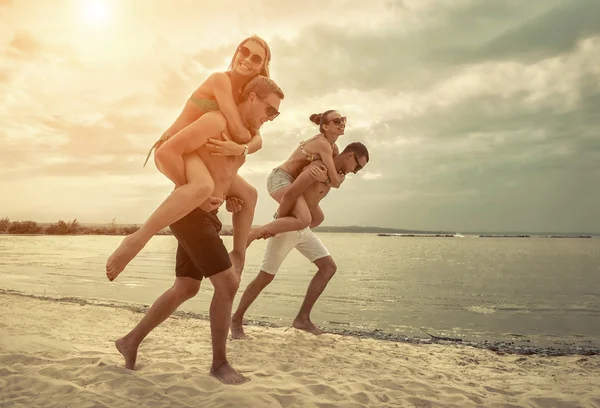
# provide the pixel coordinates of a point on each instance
(129, 248)
(254, 234)
(237, 328)
(128, 351)
(258, 233)
(227, 374)
(307, 326)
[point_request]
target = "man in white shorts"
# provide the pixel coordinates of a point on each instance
(354, 157)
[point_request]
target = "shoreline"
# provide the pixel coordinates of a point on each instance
(501, 347)
(326, 230)
(64, 348)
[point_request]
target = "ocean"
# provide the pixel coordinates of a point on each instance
(540, 289)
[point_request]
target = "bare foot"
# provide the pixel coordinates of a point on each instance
(254, 234)
(128, 351)
(237, 328)
(129, 248)
(258, 233)
(227, 374)
(307, 326)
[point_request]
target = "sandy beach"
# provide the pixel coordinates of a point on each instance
(61, 354)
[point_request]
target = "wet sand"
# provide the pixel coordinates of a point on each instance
(61, 353)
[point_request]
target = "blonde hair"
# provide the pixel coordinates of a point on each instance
(267, 61)
(262, 86)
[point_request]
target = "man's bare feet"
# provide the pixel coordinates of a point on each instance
(227, 374)
(127, 250)
(307, 326)
(128, 351)
(237, 328)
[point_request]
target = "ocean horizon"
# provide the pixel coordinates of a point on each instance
(544, 292)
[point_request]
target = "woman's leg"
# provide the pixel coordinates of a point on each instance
(298, 219)
(242, 220)
(317, 217)
(178, 204)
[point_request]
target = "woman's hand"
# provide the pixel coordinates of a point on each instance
(211, 204)
(318, 172)
(225, 147)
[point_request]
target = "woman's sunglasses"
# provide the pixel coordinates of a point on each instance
(255, 58)
(338, 121)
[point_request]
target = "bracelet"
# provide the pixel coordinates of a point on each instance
(328, 181)
(245, 152)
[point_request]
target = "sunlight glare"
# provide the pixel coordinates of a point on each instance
(95, 11)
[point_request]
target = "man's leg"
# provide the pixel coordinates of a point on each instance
(313, 248)
(198, 234)
(318, 283)
(226, 285)
(250, 294)
(277, 250)
(183, 289)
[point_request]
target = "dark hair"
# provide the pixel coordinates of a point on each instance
(359, 149)
(319, 118)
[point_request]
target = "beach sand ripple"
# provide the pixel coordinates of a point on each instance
(56, 354)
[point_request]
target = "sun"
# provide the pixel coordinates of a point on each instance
(95, 12)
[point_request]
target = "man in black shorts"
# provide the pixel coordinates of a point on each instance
(201, 253)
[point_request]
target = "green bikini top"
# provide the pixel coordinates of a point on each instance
(206, 105)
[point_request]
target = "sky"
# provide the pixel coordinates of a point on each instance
(479, 115)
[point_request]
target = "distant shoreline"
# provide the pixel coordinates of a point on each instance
(76, 228)
(228, 233)
(519, 344)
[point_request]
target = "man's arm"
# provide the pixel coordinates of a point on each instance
(186, 141)
(255, 142)
(288, 201)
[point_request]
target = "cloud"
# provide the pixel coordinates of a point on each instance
(478, 115)
(370, 176)
(23, 45)
(410, 59)
(555, 32)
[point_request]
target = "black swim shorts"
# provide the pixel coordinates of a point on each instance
(201, 252)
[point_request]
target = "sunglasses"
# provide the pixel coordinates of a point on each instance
(358, 166)
(271, 112)
(338, 121)
(255, 58)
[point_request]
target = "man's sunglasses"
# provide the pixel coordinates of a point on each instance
(255, 58)
(358, 166)
(271, 112)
